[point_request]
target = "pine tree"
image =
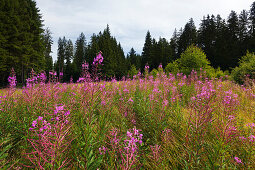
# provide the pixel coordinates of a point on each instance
(188, 36)
(154, 57)
(114, 64)
(232, 46)
(243, 24)
(146, 54)
(21, 42)
(61, 54)
(133, 59)
(220, 44)
(79, 55)
(47, 40)
(165, 52)
(207, 38)
(174, 45)
(252, 18)
(68, 70)
(251, 41)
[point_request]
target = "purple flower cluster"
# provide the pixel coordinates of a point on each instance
(147, 67)
(40, 125)
(42, 77)
(99, 59)
(230, 99)
(133, 137)
(129, 156)
(35, 79)
(12, 81)
(238, 160)
(53, 73)
(126, 150)
(50, 141)
(102, 150)
(85, 66)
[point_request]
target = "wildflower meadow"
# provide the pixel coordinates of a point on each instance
(161, 121)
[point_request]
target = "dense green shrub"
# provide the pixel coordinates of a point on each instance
(215, 73)
(172, 68)
(246, 68)
(133, 71)
(154, 73)
(193, 58)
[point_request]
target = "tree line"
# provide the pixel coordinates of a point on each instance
(25, 44)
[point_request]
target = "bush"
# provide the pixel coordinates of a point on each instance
(215, 73)
(172, 68)
(246, 68)
(154, 73)
(133, 71)
(193, 58)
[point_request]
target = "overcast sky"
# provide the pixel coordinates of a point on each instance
(129, 20)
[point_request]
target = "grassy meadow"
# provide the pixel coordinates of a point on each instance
(160, 122)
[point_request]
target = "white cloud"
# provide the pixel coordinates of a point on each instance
(129, 20)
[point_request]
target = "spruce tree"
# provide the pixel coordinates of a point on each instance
(243, 24)
(21, 42)
(146, 54)
(47, 40)
(68, 69)
(251, 41)
(220, 44)
(166, 54)
(133, 58)
(207, 38)
(188, 36)
(174, 45)
(79, 55)
(114, 64)
(61, 54)
(232, 46)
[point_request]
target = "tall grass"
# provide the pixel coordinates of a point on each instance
(165, 121)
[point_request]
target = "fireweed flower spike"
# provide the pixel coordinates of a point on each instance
(99, 59)
(50, 141)
(238, 160)
(12, 79)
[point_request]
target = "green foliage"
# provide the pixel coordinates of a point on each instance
(215, 73)
(156, 52)
(5, 146)
(68, 67)
(21, 40)
(133, 59)
(47, 40)
(79, 55)
(193, 58)
(246, 67)
(154, 72)
(172, 67)
(146, 54)
(174, 116)
(133, 71)
(114, 64)
(187, 37)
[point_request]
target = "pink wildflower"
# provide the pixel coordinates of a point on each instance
(252, 138)
(238, 160)
(131, 100)
(102, 150)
